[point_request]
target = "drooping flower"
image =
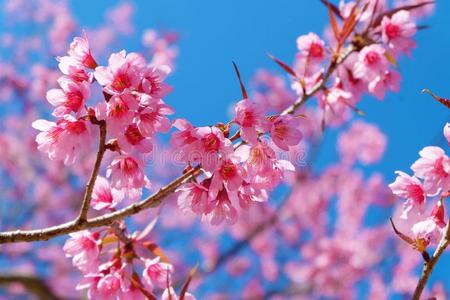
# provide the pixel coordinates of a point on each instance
(103, 197)
(84, 250)
(156, 273)
(152, 118)
(410, 189)
(251, 119)
(431, 229)
(193, 197)
(285, 132)
(64, 140)
(169, 294)
(389, 80)
(127, 174)
(222, 209)
(228, 174)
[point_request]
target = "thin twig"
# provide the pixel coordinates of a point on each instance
(428, 266)
(90, 185)
(151, 201)
(106, 219)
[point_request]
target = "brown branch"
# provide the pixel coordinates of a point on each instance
(153, 200)
(321, 84)
(90, 185)
(106, 219)
(33, 284)
(428, 266)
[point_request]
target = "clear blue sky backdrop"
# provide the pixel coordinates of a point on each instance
(213, 33)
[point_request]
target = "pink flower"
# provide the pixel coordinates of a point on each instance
(74, 69)
(262, 168)
(398, 30)
(153, 119)
(284, 132)
(156, 272)
(83, 248)
(389, 80)
(447, 132)
(169, 294)
(431, 229)
(119, 112)
(64, 140)
(193, 197)
(371, 63)
(433, 167)
(106, 285)
(132, 139)
(249, 194)
(221, 208)
(127, 174)
(363, 142)
(311, 47)
(122, 74)
(109, 286)
(251, 119)
(79, 49)
(228, 175)
(210, 146)
(103, 197)
(184, 141)
(411, 189)
(70, 98)
(153, 84)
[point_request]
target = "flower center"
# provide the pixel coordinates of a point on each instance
(121, 82)
(316, 50)
(74, 100)
(392, 31)
(77, 127)
(228, 170)
(372, 58)
(211, 142)
(133, 135)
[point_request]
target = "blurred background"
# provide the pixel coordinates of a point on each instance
(212, 34)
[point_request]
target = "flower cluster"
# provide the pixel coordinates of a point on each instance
(235, 176)
(424, 218)
(378, 39)
(119, 266)
(132, 111)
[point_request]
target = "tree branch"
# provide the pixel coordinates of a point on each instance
(153, 200)
(428, 266)
(106, 219)
(90, 185)
(33, 284)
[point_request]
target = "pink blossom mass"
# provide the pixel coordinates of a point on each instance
(167, 163)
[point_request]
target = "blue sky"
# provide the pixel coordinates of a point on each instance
(214, 33)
